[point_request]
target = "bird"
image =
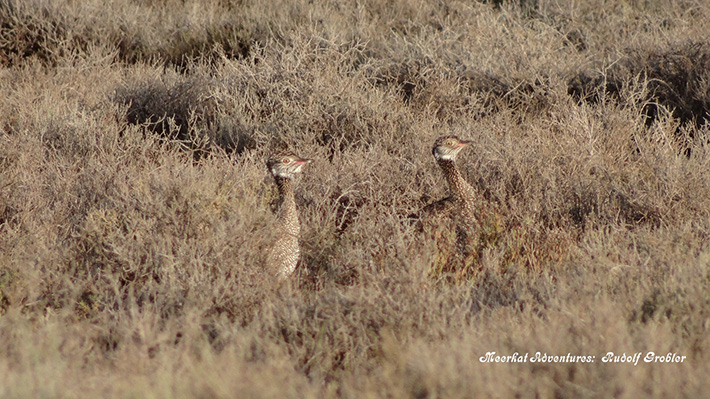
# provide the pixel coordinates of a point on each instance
(476, 224)
(285, 252)
(462, 197)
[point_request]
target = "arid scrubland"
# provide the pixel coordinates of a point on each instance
(135, 205)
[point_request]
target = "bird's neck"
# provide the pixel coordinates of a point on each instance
(287, 213)
(458, 186)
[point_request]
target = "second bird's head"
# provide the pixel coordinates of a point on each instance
(286, 165)
(447, 147)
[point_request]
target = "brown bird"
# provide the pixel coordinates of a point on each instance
(475, 223)
(462, 197)
(285, 252)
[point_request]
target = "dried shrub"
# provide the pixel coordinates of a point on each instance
(677, 79)
(122, 254)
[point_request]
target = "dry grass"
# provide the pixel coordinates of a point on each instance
(135, 205)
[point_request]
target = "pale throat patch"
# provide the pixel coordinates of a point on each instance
(445, 156)
(297, 168)
(287, 172)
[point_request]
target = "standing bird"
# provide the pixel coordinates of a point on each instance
(476, 224)
(462, 196)
(285, 252)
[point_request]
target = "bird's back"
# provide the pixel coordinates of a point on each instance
(284, 254)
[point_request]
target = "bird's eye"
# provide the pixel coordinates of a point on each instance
(285, 160)
(450, 143)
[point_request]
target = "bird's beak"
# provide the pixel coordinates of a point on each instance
(463, 143)
(303, 161)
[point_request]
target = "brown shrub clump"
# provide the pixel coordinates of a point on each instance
(136, 210)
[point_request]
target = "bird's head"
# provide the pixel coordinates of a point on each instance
(285, 165)
(447, 147)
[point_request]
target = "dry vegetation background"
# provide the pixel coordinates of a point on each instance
(135, 205)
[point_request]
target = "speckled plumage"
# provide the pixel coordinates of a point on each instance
(461, 224)
(284, 254)
(461, 202)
